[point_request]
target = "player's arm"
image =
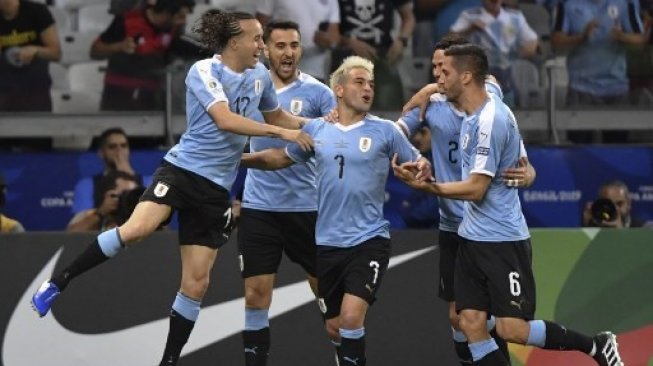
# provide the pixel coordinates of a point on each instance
(522, 176)
(232, 122)
(420, 99)
(281, 118)
(269, 159)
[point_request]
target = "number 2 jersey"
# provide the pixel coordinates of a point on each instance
(352, 164)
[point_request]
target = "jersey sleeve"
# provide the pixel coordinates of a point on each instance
(561, 22)
(43, 18)
(334, 12)
(115, 32)
(632, 21)
(205, 86)
(462, 23)
(526, 33)
(489, 139)
(400, 145)
(410, 121)
(522, 149)
(494, 88)
(269, 101)
(295, 152)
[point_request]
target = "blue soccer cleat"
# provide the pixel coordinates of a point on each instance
(44, 297)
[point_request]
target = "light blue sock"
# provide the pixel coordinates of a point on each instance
(482, 348)
(537, 333)
(352, 333)
(256, 319)
(110, 242)
(187, 307)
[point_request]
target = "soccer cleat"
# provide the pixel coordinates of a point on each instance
(607, 352)
(44, 297)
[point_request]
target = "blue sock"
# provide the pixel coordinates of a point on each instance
(187, 307)
(537, 333)
(110, 242)
(352, 333)
(482, 348)
(256, 319)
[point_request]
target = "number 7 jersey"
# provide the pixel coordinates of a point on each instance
(352, 164)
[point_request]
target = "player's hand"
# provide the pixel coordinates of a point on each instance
(478, 25)
(407, 173)
(617, 33)
(424, 170)
(590, 29)
(421, 100)
(332, 116)
(520, 176)
(299, 137)
(121, 162)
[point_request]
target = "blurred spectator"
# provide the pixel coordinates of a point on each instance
(28, 42)
(420, 209)
(113, 150)
(118, 7)
(640, 61)
(550, 5)
(596, 33)
(366, 27)
(114, 188)
(612, 208)
(139, 44)
(319, 29)
(7, 225)
(504, 34)
(447, 14)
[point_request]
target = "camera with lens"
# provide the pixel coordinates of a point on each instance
(603, 210)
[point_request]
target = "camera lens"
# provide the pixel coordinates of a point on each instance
(603, 210)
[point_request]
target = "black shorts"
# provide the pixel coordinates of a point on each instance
(264, 235)
(496, 277)
(448, 243)
(355, 270)
(204, 207)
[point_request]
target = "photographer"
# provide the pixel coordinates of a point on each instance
(118, 190)
(7, 225)
(611, 209)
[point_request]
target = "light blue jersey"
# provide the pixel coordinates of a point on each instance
(490, 143)
(204, 149)
(352, 165)
(445, 122)
(598, 66)
(291, 189)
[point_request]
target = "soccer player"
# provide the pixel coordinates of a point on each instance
(273, 201)
(353, 238)
(493, 273)
(444, 119)
(196, 175)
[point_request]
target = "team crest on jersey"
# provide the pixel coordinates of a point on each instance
(258, 86)
(364, 144)
(465, 141)
(296, 106)
(613, 12)
(161, 189)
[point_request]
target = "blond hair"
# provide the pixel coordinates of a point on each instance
(351, 62)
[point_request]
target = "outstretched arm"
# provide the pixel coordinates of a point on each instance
(270, 159)
(281, 118)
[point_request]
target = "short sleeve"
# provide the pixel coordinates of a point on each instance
(43, 18)
(494, 88)
(295, 152)
(527, 34)
(269, 101)
(632, 20)
(410, 121)
(206, 88)
(462, 23)
(400, 145)
(560, 21)
(334, 12)
(522, 149)
(488, 141)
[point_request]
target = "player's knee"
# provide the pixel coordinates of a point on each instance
(195, 286)
(257, 297)
(351, 319)
(512, 330)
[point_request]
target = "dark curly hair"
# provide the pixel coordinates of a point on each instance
(217, 27)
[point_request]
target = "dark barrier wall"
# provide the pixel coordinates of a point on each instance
(116, 314)
(41, 185)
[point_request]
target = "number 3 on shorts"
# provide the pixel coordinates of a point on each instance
(515, 287)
